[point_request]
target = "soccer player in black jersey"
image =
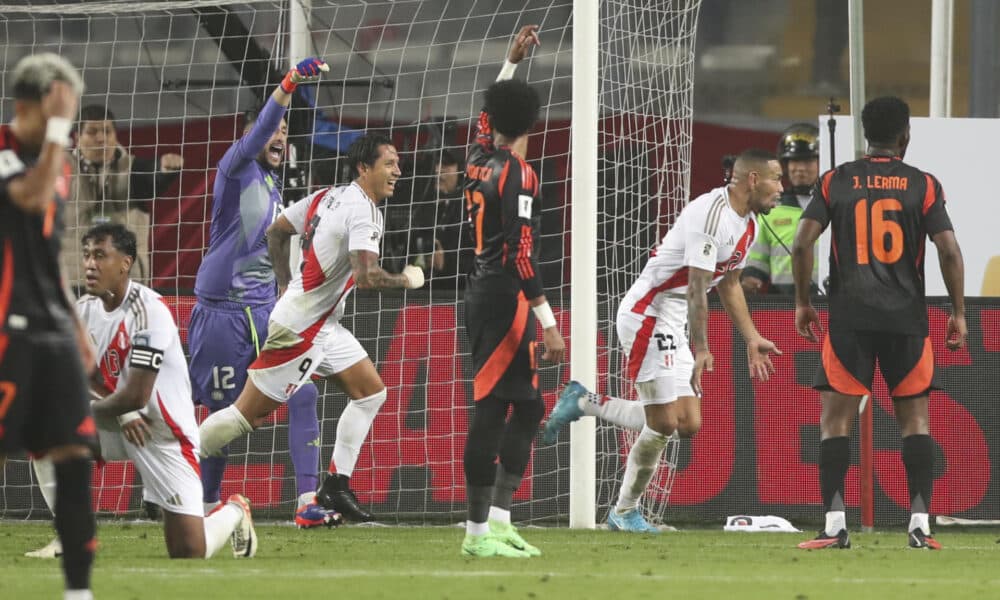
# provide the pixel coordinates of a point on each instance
(44, 353)
(880, 210)
(503, 298)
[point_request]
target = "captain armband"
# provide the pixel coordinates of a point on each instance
(144, 357)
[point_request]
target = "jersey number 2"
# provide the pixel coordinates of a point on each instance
(886, 235)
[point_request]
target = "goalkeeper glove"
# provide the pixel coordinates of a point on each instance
(307, 71)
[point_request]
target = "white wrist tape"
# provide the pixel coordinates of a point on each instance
(543, 312)
(57, 130)
(128, 417)
(507, 71)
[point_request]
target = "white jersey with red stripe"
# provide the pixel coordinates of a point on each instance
(333, 223)
(141, 334)
(708, 235)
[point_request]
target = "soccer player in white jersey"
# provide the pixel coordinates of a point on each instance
(142, 401)
(706, 248)
(341, 229)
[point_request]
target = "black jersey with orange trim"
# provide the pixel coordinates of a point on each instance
(31, 293)
(881, 210)
(503, 204)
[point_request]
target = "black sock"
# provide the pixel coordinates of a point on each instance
(834, 459)
(918, 458)
(515, 449)
(481, 445)
(504, 487)
(75, 521)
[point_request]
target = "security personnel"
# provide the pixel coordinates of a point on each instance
(769, 269)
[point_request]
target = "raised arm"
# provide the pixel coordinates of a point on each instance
(250, 145)
(31, 190)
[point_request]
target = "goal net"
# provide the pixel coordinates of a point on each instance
(178, 77)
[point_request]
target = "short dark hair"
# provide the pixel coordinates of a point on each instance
(885, 119)
(446, 158)
(96, 112)
(365, 150)
(121, 238)
(513, 106)
(755, 156)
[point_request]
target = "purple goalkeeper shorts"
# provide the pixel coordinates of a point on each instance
(223, 339)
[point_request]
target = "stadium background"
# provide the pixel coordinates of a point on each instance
(756, 452)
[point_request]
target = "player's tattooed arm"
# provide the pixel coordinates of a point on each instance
(279, 236)
(697, 301)
(368, 275)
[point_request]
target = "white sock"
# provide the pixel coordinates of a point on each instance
(45, 474)
(642, 461)
(220, 428)
(499, 514)
(921, 521)
(306, 498)
(476, 528)
(219, 526)
(835, 521)
(78, 595)
(618, 411)
(352, 429)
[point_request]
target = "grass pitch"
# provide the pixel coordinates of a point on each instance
(354, 563)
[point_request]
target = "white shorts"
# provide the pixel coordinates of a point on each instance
(657, 350)
(279, 371)
(171, 476)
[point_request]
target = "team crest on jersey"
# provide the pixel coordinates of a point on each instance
(707, 250)
(115, 356)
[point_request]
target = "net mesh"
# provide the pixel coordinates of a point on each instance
(647, 56)
(178, 77)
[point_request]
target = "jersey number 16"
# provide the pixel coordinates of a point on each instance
(886, 235)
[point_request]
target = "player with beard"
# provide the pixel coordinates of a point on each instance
(706, 248)
(236, 290)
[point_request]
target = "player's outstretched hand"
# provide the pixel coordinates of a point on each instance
(956, 332)
(309, 70)
(806, 318)
(703, 361)
(171, 162)
(414, 276)
(759, 358)
(523, 41)
(555, 347)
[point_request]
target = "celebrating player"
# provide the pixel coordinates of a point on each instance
(236, 292)
(43, 348)
(143, 408)
(341, 229)
(503, 201)
(707, 247)
(880, 210)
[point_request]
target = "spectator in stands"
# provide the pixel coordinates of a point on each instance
(111, 185)
(829, 42)
(769, 269)
(439, 242)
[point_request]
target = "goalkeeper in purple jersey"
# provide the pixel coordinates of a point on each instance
(236, 290)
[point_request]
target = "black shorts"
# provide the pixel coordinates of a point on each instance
(906, 363)
(501, 330)
(44, 398)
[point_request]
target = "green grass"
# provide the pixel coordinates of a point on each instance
(418, 563)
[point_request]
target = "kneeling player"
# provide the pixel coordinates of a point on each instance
(146, 414)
